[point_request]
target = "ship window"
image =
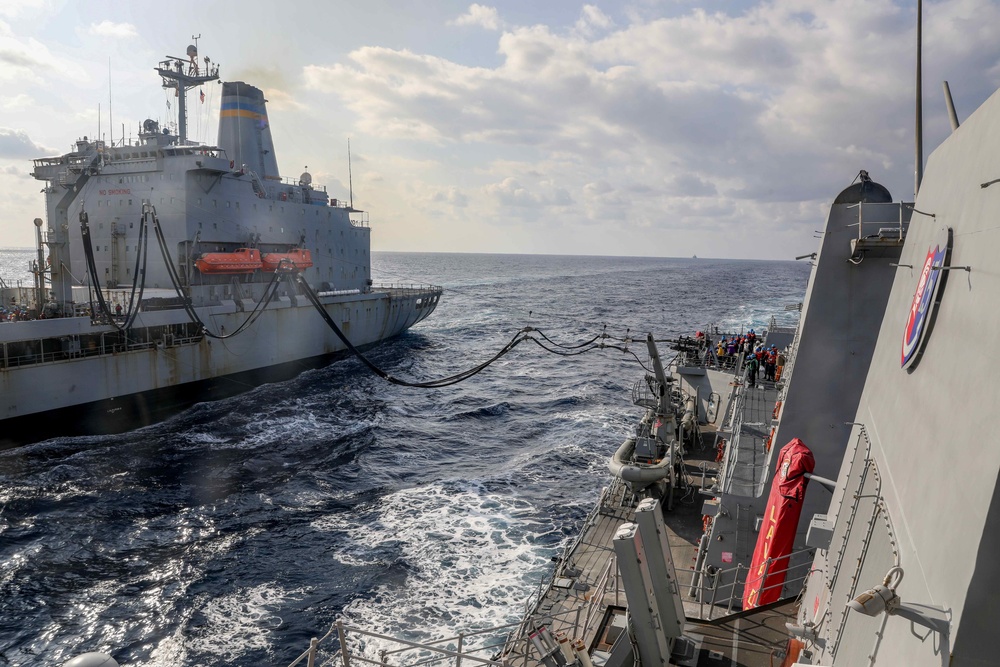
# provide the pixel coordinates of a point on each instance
(106, 271)
(215, 225)
(129, 202)
(98, 203)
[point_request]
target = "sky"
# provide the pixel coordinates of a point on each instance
(637, 127)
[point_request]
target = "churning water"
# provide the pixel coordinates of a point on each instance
(233, 532)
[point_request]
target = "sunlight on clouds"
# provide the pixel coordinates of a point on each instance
(19, 101)
(479, 15)
(17, 144)
(111, 29)
(702, 115)
(13, 8)
(663, 127)
(510, 192)
(30, 61)
(592, 19)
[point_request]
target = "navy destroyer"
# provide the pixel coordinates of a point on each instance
(170, 271)
(872, 436)
(868, 396)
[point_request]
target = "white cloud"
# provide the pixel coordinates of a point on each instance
(593, 19)
(510, 192)
(703, 121)
(29, 60)
(659, 123)
(19, 101)
(451, 196)
(17, 144)
(479, 15)
(14, 8)
(111, 29)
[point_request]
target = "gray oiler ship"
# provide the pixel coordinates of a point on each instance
(170, 272)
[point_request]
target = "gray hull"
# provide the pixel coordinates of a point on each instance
(72, 364)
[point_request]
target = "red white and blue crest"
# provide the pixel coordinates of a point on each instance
(925, 300)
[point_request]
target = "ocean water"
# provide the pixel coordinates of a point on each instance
(235, 531)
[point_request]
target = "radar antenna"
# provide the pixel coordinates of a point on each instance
(174, 76)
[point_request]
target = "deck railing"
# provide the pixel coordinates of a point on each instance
(721, 592)
(723, 588)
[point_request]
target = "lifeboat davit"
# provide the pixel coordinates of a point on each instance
(243, 260)
(298, 259)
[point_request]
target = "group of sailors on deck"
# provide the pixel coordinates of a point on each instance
(768, 360)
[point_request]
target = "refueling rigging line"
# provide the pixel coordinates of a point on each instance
(289, 270)
(517, 339)
(139, 273)
(258, 309)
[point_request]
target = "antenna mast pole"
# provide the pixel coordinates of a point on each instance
(350, 177)
(111, 118)
(919, 173)
(175, 76)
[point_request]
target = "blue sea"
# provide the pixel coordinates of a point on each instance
(237, 530)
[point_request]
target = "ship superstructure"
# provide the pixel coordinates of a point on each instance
(152, 249)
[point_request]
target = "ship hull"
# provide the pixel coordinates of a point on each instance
(120, 414)
(89, 388)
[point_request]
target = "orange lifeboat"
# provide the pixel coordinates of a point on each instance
(243, 260)
(298, 259)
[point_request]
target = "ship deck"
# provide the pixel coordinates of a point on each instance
(585, 596)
